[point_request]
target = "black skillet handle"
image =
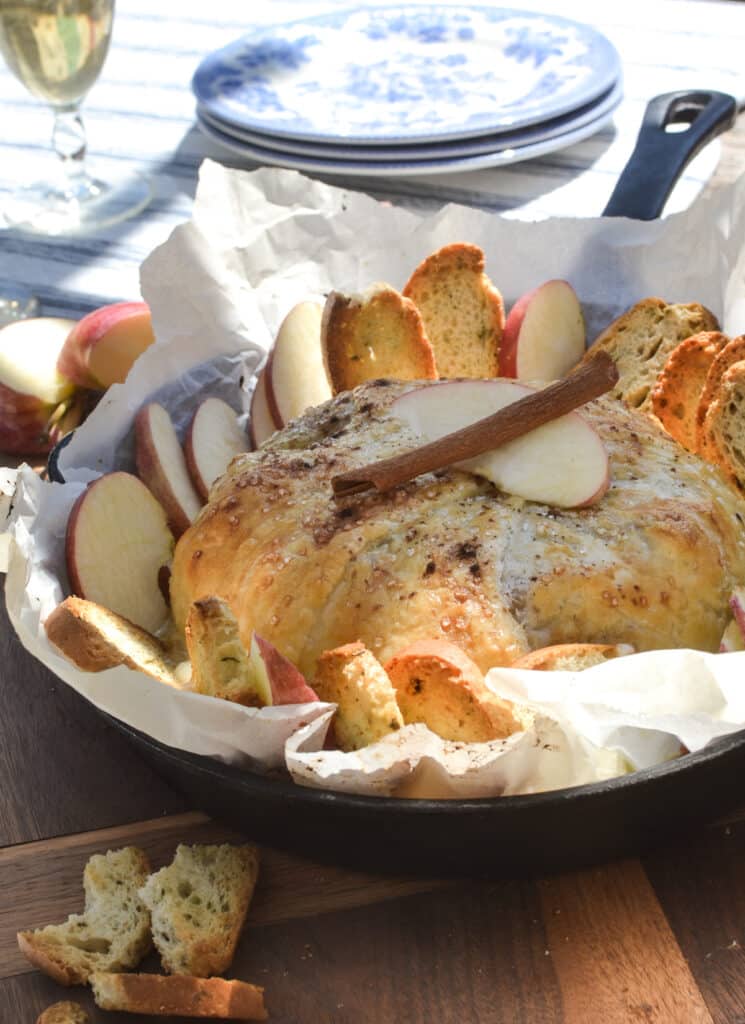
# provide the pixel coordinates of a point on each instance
(660, 155)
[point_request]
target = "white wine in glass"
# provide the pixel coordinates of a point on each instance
(57, 49)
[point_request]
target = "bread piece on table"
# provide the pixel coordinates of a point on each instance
(463, 311)
(641, 340)
(723, 430)
(94, 639)
(376, 334)
(733, 352)
(179, 995)
(352, 678)
(63, 1013)
(571, 657)
(438, 684)
(220, 664)
(676, 395)
(198, 905)
(112, 933)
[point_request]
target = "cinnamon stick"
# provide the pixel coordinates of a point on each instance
(590, 380)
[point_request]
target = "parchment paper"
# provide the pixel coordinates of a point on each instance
(219, 287)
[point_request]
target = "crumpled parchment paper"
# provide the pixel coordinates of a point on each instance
(219, 287)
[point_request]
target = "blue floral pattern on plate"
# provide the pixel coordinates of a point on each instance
(448, 149)
(389, 74)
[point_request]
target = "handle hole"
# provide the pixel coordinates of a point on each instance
(682, 112)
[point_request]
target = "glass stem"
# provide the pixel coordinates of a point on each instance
(69, 141)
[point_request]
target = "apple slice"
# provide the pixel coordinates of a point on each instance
(117, 540)
(221, 666)
(737, 606)
(29, 350)
(544, 334)
(295, 375)
(261, 424)
(287, 683)
(101, 348)
(732, 638)
(36, 401)
(213, 438)
(562, 463)
(162, 467)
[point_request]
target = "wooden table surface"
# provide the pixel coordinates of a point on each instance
(659, 939)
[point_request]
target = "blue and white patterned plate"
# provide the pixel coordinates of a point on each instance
(401, 168)
(450, 148)
(406, 74)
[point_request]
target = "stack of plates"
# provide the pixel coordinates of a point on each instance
(409, 90)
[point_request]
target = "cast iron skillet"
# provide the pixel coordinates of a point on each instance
(516, 835)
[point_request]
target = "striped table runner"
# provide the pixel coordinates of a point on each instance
(140, 117)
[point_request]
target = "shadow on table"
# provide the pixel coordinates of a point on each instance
(125, 245)
(497, 189)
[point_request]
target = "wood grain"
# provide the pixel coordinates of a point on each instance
(701, 887)
(466, 953)
(70, 771)
(43, 879)
(583, 948)
(614, 952)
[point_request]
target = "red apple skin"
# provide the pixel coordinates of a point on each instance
(260, 401)
(75, 357)
(37, 431)
(732, 639)
(25, 438)
(510, 334)
(599, 493)
(14, 403)
(191, 461)
(155, 476)
(737, 606)
(76, 585)
(296, 379)
(25, 424)
(271, 399)
(288, 684)
(164, 583)
(510, 345)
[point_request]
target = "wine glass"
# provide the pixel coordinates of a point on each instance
(57, 49)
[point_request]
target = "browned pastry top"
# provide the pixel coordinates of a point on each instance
(448, 555)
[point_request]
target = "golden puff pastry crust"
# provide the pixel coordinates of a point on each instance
(447, 555)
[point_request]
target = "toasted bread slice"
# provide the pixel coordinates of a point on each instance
(198, 905)
(723, 431)
(438, 684)
(571, 657)
(731, 353)
(178, 995)
(353, 678)
(112, 933)
(94, 639)
(463, 311)
(220, 664)
(676, 394)
(376, 334)
(63, 1013)
(641, 340)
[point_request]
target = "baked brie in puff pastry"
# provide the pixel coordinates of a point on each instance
(652, 564)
